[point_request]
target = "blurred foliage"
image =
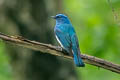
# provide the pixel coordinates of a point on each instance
(5, 68)
(98, 32)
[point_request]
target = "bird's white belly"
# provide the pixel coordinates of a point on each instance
(59, 42)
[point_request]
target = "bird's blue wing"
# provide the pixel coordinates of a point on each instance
(64, 39)
(76, 51)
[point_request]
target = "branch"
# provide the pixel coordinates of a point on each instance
(47, 48)
(113, 10)
(115, 14)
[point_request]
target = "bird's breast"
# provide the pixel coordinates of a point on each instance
(62, 27)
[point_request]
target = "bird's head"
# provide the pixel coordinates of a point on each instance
(61, 18)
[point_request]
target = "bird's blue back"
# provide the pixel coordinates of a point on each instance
(66, 36)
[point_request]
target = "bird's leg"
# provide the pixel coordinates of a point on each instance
(59, 48)
(63, 50)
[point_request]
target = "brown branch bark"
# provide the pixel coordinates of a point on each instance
(47, 48)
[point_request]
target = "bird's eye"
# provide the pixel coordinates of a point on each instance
(58, 16)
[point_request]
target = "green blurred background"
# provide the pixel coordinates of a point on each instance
(97, 26)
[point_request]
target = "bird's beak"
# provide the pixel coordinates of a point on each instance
(54, 17)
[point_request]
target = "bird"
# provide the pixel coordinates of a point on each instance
(67, 38)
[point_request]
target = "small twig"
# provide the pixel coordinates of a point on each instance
(114, 12)
(47, 48)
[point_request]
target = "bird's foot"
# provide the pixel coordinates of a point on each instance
(63, 50)
(59, 48)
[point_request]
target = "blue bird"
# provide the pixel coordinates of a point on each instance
(67, 38)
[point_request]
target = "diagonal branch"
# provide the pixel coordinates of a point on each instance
(47, 48)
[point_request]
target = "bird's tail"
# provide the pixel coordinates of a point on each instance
(77, 60)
